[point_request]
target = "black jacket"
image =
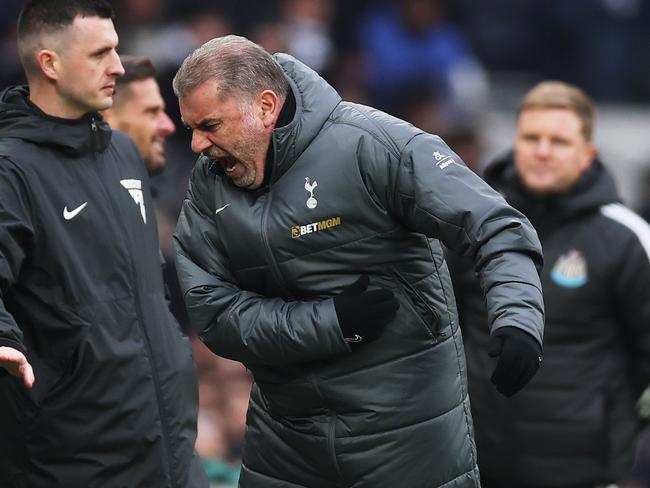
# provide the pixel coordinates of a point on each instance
(575, 421)
(115, 398)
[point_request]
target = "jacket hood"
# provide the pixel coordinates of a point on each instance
(315, 101)
(21, 119)
(594, 188)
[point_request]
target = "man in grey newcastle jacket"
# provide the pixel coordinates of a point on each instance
(308, 248)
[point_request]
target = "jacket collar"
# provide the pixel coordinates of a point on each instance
(21, 119)
(315, 101)
(594, 188)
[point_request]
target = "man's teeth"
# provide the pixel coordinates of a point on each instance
(230, 168)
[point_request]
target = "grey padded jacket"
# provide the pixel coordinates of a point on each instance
(352, 191)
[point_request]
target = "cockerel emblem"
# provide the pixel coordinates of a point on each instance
(309, 186)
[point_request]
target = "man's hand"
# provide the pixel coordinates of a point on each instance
(520, 356)
(364, 313)
(16, 363)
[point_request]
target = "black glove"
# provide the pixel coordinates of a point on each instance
(520, 356)
(364, 313)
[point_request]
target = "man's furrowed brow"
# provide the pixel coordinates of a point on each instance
(208, 122)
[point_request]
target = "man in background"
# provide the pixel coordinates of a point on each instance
(101, 389)
(139, 110)
(575, 423)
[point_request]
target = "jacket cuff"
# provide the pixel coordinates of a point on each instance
(9, 342)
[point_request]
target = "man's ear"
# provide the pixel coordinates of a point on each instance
(269, 105)
(49, 63)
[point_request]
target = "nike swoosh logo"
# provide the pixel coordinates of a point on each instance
(356, 338)
(71, 214)
(221, 208)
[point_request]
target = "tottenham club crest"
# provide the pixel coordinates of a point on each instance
(570, 270)
(309, 186)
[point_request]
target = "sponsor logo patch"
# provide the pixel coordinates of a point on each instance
(221, 209)
(442, 160)
(71, 214)
(301, 230)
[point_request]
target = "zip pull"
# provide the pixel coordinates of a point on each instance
(93, 125)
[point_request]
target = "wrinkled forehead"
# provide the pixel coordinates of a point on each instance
(197, 100)
(206, 100)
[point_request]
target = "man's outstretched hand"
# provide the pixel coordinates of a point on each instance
(16, 364)
(520, 356)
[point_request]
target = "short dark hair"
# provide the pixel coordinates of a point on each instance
(40, 17)
(136, 68)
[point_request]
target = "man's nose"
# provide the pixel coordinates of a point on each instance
(199, 142)
(543, 148)
(116, 68)
(165, 125)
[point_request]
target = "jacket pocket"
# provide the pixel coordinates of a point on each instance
(428, 316)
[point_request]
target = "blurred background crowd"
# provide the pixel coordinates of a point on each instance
(455, 68)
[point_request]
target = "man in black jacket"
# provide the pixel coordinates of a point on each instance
(574, 425)
(102, 388)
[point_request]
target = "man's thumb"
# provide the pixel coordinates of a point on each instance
(27, 374)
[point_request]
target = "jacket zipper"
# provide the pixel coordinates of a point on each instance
(95, 137)
(275, 269)
(154, 372)
(143, 332)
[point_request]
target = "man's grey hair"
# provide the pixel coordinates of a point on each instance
(238, 65)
